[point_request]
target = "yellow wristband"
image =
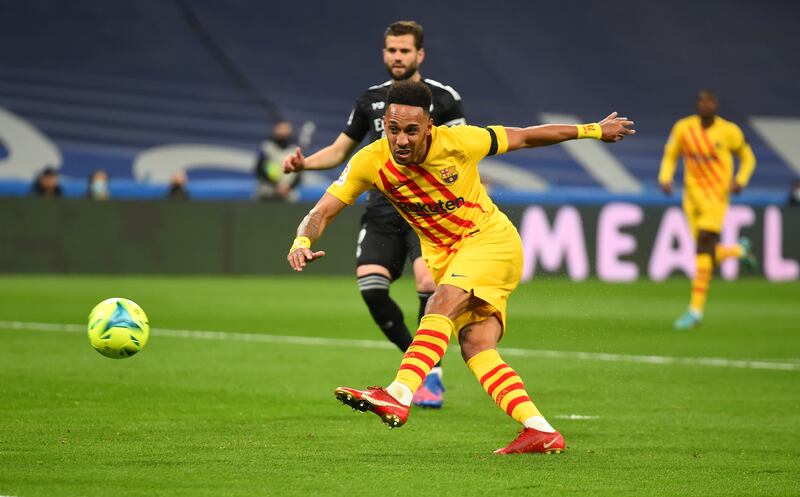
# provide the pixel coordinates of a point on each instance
(300, 242)
(591, 130)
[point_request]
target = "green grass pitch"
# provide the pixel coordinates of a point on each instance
(220, 415)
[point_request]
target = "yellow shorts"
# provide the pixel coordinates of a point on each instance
(487, 264)
(704, 213)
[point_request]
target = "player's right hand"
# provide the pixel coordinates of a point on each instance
(294, 163)
(666, 187)
(298, 258)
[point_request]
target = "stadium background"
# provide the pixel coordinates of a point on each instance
(141, 89)
(233, 394)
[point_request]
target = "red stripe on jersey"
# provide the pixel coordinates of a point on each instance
(440, 187)
(703, 156)
(415, 369)
(697, 289)
(403, 199)
(491, 373)
(434, 334)
(711, 150)
(514, 403)
(419, 192)
(697, 171)
(387, 186)
(499, 381)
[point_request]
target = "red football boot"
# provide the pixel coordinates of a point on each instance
(530, 440)
(377, 400)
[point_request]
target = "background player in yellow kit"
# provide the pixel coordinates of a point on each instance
(473, 251)
(707, 143)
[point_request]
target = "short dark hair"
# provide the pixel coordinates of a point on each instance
(707, 93)
(408, 92)
(400, 28)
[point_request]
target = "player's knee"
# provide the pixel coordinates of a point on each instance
(425, 285)
(374, 288)
(706, 242)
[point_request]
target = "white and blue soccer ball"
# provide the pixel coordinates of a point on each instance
(118, 328)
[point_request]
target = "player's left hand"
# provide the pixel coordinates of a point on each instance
(298, 258)
(615, 128)
(736, 188)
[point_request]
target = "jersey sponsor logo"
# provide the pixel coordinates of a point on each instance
(378, 105)
(378, 124)
(428, 208)
(449, 175)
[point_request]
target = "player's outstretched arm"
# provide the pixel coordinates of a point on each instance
(611, 129)
(311, 228)
(326, 158)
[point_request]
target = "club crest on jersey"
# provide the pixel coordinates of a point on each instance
(449, 175)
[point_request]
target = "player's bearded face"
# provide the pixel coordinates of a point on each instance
(407, 129)
(401, 57)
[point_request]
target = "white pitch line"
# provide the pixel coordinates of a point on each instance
(380, 344)
(576, 417)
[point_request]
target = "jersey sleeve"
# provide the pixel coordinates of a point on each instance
(747, 160)
(671, 152)
(480, 142)
(357, 177)
(358, 122)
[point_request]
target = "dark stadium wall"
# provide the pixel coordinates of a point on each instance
(615, 242)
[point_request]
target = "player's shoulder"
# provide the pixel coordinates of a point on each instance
(462, 136)
(730, 125)
(687, 120)
(372, 153)
(377, 91)
(441, 90)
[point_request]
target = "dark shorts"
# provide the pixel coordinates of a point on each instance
(387, 242)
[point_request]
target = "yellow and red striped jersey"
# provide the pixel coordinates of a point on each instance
(707, 156)
(442, 198)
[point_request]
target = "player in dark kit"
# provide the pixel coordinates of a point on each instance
(385, 239)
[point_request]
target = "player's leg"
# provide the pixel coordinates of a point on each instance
(377, 265)
(431, 392)
(693, 207)
(708, 214)
(479, 350)
(428, 347)
(742, 250)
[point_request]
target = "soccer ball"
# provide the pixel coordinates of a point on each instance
(118, 328)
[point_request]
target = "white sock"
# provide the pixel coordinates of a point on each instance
(437, 371)
(402, 393)
(538, 423)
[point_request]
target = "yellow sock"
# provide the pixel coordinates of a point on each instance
(723, 252)
(503, 384)
(427, 349)
(704, 267)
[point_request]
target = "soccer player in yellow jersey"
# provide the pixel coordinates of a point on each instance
(707, 143)
(430, 175)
